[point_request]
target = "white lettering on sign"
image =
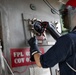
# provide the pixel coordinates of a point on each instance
(27, 59)
(18, 54)
(27, 53)
(19, 60)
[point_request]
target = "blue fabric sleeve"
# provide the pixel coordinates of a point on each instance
(57, 53)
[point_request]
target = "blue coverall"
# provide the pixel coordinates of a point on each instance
(63, 51)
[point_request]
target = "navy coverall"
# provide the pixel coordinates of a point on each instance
(63, 51)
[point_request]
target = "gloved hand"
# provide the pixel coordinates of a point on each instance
(33, 47)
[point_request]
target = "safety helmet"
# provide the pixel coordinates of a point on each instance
(70, 5)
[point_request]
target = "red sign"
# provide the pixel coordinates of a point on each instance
(21, 57)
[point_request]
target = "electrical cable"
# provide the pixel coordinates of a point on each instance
(21, 71)
(50, 6)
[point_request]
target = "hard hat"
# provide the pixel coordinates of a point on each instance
(71, 3)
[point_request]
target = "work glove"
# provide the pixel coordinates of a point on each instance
(33, 47)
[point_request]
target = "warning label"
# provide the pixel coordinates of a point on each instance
(21, 57)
